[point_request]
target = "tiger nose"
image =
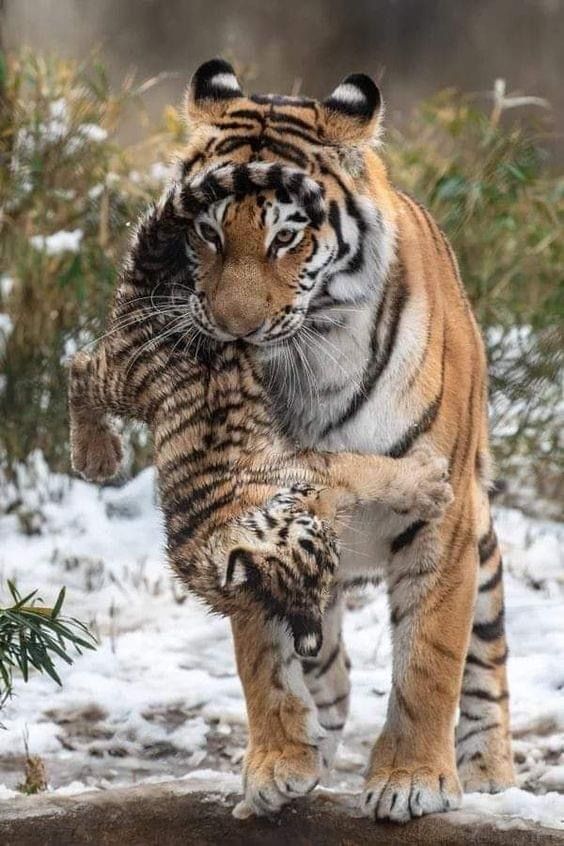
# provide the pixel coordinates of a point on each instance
(239, 319)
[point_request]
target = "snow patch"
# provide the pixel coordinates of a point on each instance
(59, 242)
(547, 810)
(161, 692)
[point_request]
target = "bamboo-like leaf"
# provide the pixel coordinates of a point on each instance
(59, 603)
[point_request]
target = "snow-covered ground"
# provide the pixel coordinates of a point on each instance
(160, 696)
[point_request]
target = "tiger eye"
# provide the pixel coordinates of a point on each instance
(284, 236)
(208, 233)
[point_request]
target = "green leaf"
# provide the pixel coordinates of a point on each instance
(59, 603)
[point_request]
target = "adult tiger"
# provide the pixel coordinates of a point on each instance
(369, 343)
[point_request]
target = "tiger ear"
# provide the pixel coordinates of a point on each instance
(211, 89)
(353, 109)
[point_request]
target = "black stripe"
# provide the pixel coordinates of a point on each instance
(297, 133)
(407, 536)
(397, 616)
(163, 393)
(308, 665)
(361, 582)
(187, 464)
(284, 117)
(477, 693)
(287, 151)
(233, 124)
(335, 221)
(188, 503)
(235, 556)
(492, 630)
(197, 416)
(473, 718)
(329, 662)
(425, 422)
(189, 164)
(420, 427)
(229, 145)
(473, 659)
(377, 363)
(251, 114)
(487, 545)
(327, 171)
(498, 661)
(494, 581)
(321, 706)
(189, 528)
(473, 732)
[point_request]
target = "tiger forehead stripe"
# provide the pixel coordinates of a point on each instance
(241, 180)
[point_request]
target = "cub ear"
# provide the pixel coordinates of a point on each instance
(211, 88)
(353, 109)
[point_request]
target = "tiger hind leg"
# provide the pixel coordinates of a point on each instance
(327, 678)
(483, 742)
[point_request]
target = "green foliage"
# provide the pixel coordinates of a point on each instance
(32, 635)
(66, 171)
(488, 182)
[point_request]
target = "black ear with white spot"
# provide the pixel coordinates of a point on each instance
(211, 88)
(352, 110)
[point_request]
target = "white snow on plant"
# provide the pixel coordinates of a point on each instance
(161, 692)
(93, 132)
(160, 172)
(58, 109)
(96, 191)
(60, 242)
(80, 341)
(6, 285)
(6, 328)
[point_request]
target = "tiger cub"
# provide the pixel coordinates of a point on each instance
(249, 518)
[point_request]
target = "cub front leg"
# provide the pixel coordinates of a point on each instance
(431, 584)
(285, 753)
(96, 451)
(415, 487)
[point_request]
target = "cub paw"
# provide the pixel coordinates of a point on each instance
(400, 794)
(422, 489)
(96, 452)
(273, 777)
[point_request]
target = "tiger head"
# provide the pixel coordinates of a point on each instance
(286, 206)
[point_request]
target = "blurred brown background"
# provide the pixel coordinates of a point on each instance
(415, 47)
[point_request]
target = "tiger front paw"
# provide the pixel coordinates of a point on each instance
(422, 490)
(273, 777)
(96, 452)
(402, 793)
